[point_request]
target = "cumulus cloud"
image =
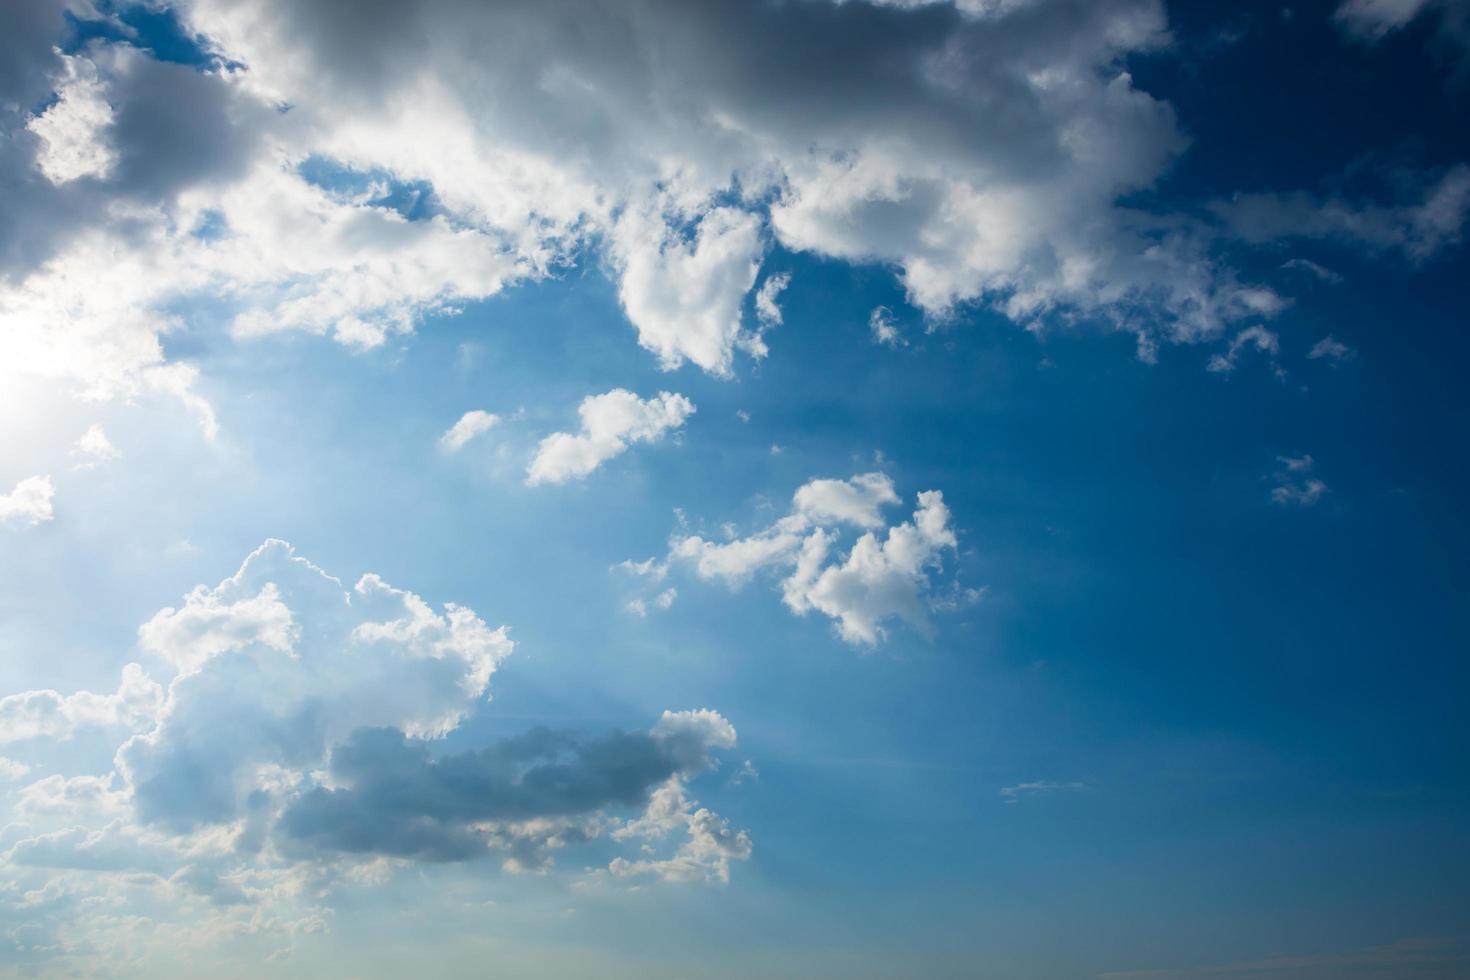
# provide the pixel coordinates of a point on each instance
(295, 746)
(858, 501)
(50, 714)
(979, 150)
(391, 796)
(685, 298)
(611, 422)
(73, 129)
(880, 578)
(470, 424)
(28, 503)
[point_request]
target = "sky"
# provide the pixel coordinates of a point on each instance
(782, 488)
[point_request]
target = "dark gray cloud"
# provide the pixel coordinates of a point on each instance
(393, 796)
(173, 127)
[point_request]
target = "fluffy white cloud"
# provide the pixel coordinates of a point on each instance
(879, 578)
(981, 152)
(858, 501)
(50, 714)
(29, 503)
(685, 298)
(707, 847)
(73, 129)
(94, 447)
(611, 422)
(295, 751)
(883, 329)
(470, 424)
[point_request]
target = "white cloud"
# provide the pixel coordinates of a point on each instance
(73, 129)
(638, 606)
(879, 578)
(95, 447)
(767, 298)
(1256, 338)
(1296, 486)
(295, 752)
(858, 501)
(470, 424)
(1331, 350)
(611, 422)
(883, 329)
(685, 298)
(29, 503)
(52, 715)
(10, 770)
(1013, 794)
(1315, 269)
(982, 157)
(705, 852)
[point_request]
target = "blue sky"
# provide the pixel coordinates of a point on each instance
(940, 490)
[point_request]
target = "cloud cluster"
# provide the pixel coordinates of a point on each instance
(881, 577)
(979, 150)
(294, 750)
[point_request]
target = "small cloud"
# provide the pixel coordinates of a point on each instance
(95, 447)
(1331, 350)
(29, 503)
(1371, 20)
(1257, 338)
(884, 330)
(746, 773)
(648, 568)
(767, 309)
(1321, 272)
(611, 422)
(1013, 794)
(640, 606)
(742, 415)
(10, 770)
(470, 425)
(1296, 486)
